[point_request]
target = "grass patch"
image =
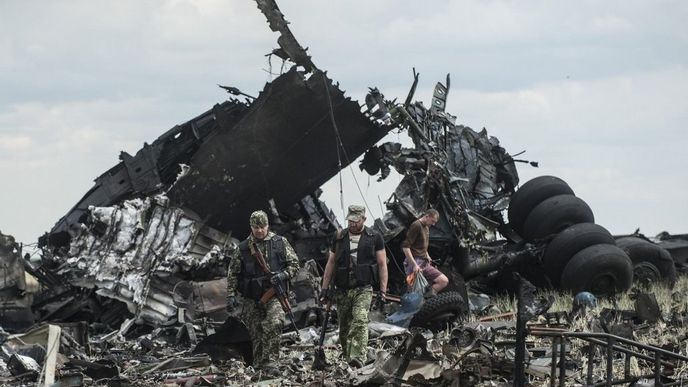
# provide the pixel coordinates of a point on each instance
(671, 332)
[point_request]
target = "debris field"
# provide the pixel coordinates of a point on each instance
(131, 285)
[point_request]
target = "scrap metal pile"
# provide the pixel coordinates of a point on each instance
(131, 286)
(638, 338)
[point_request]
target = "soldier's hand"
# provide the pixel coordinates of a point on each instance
(278, 277)
(383, 295)
(379, 301)
(232, 303)
(326, 295)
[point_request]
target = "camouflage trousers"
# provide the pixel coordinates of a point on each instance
(353, 306)
(264, 323)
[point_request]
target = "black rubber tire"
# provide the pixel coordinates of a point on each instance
(646, 255)
(532, 193)
(569, 242)
(554, 215)
(439, 309)
(602, 269)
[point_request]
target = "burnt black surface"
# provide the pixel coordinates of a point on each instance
(282, 146)
(153, 168)
(283, 149)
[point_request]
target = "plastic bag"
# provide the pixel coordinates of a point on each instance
(417, 283)
(411, 303)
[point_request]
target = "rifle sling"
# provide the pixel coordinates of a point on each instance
(272, 292)
(255, 252)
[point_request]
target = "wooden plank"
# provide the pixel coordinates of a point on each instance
(53, 348)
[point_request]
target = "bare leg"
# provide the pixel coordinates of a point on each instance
(440, 283)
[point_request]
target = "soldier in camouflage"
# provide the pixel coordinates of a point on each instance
(245, 276)
(357, 261)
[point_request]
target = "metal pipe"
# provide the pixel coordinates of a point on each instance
(591, 355)
(592, 337)
(610, 343)
(610, 358)
(562, 361)
(520, 355)
(624, 340)
(626, 351)
(414, 125)
(553, 366)
(482, 266)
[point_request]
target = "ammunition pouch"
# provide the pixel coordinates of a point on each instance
(341, 277)
(375, 273)
(253, 288)
(254, 282)
(360, 275)
(365, 272)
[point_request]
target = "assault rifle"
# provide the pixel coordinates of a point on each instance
(319, 360)
(379, 301)
(277, 290)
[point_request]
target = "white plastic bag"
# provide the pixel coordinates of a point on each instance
(419, 283)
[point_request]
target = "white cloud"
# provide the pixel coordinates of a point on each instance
(594, 91)
(14, 142)
(58, 149)
(619, 142)
(611, 24)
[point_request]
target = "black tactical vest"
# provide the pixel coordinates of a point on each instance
(365, 272)
(253, 281)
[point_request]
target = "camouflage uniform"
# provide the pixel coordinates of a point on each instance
(264, 321)
(352, 310)
(355, 272)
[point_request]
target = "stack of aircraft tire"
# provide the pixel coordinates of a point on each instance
(651, 262)
(581, 255)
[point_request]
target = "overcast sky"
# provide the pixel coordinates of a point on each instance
(596, 92)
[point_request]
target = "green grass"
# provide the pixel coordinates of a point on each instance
(670, 300)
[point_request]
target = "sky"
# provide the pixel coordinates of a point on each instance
(595, 92)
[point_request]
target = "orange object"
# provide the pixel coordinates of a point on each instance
(410, 278)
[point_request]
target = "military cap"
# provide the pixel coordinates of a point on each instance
(258, 219)
(356, 213)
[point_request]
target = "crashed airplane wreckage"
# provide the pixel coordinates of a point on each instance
(158, 223)
(153, 231)
(162, 220)
(147, 246)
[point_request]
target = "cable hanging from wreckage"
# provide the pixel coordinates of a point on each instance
(154, 259)
(465, 174)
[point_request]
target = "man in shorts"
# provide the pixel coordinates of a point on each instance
(415, 248)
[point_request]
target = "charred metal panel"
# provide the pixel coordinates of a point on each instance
(289, 46)
(15, 296)
(153, 167)
(283, 149)
(11, 264)
(142, 168)
(136, 253)
(676, 245)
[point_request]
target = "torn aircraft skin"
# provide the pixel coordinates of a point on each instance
(241, 157)
(17, 287)
(268, 155)
(214, 170)
(124, 238)
(142, 257)
(463, 174)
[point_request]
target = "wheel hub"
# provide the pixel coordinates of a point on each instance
(646, 273)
